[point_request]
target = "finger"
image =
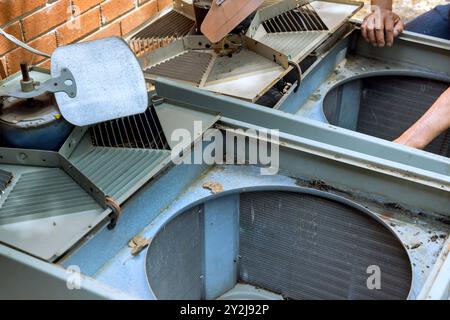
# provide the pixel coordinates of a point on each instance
(371, 31)
(379, 30)
(389, 30)
(399, 27)
(364, 30)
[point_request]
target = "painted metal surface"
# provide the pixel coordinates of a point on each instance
(137, 167)
(126, 273)
(437, 286)
(50, 282)
(407, 189)
(104, 93)
(119, 171)
(325, 139)
(221, 246)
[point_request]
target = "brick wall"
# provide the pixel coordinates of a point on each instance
(47, 24)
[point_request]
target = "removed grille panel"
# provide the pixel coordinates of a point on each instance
(141, 131)
(189, 66)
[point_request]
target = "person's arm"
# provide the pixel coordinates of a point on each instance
(383, 4)
(434, 122)
(381, 26)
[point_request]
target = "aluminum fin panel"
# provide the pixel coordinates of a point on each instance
(172, 24)
(302, 18)
(117, 171)
(44, 193)
(307, 247)
(294, 44)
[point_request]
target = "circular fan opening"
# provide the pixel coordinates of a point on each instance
(277, 244)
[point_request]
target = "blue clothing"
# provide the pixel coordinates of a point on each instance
(435, 23)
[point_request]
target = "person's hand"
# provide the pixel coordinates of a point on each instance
(381, 27)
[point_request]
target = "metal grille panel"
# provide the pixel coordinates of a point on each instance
(306, 247)
(117, 170)
(161, 32)
(141, 131)
(173, 24)
(45, 193)
(302, 18)
(294, 44)
(188, 66)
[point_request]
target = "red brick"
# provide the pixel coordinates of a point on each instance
(108, 31)
(139, 16)
(46, 43)
(3, 71)
(5, 44)
(81, 6)
(12, 9)
(88, 22)
(162, 4)
(45, 19)
(112, 9)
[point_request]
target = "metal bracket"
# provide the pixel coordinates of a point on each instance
(116, 212)
(298, 70)
(64, 83)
